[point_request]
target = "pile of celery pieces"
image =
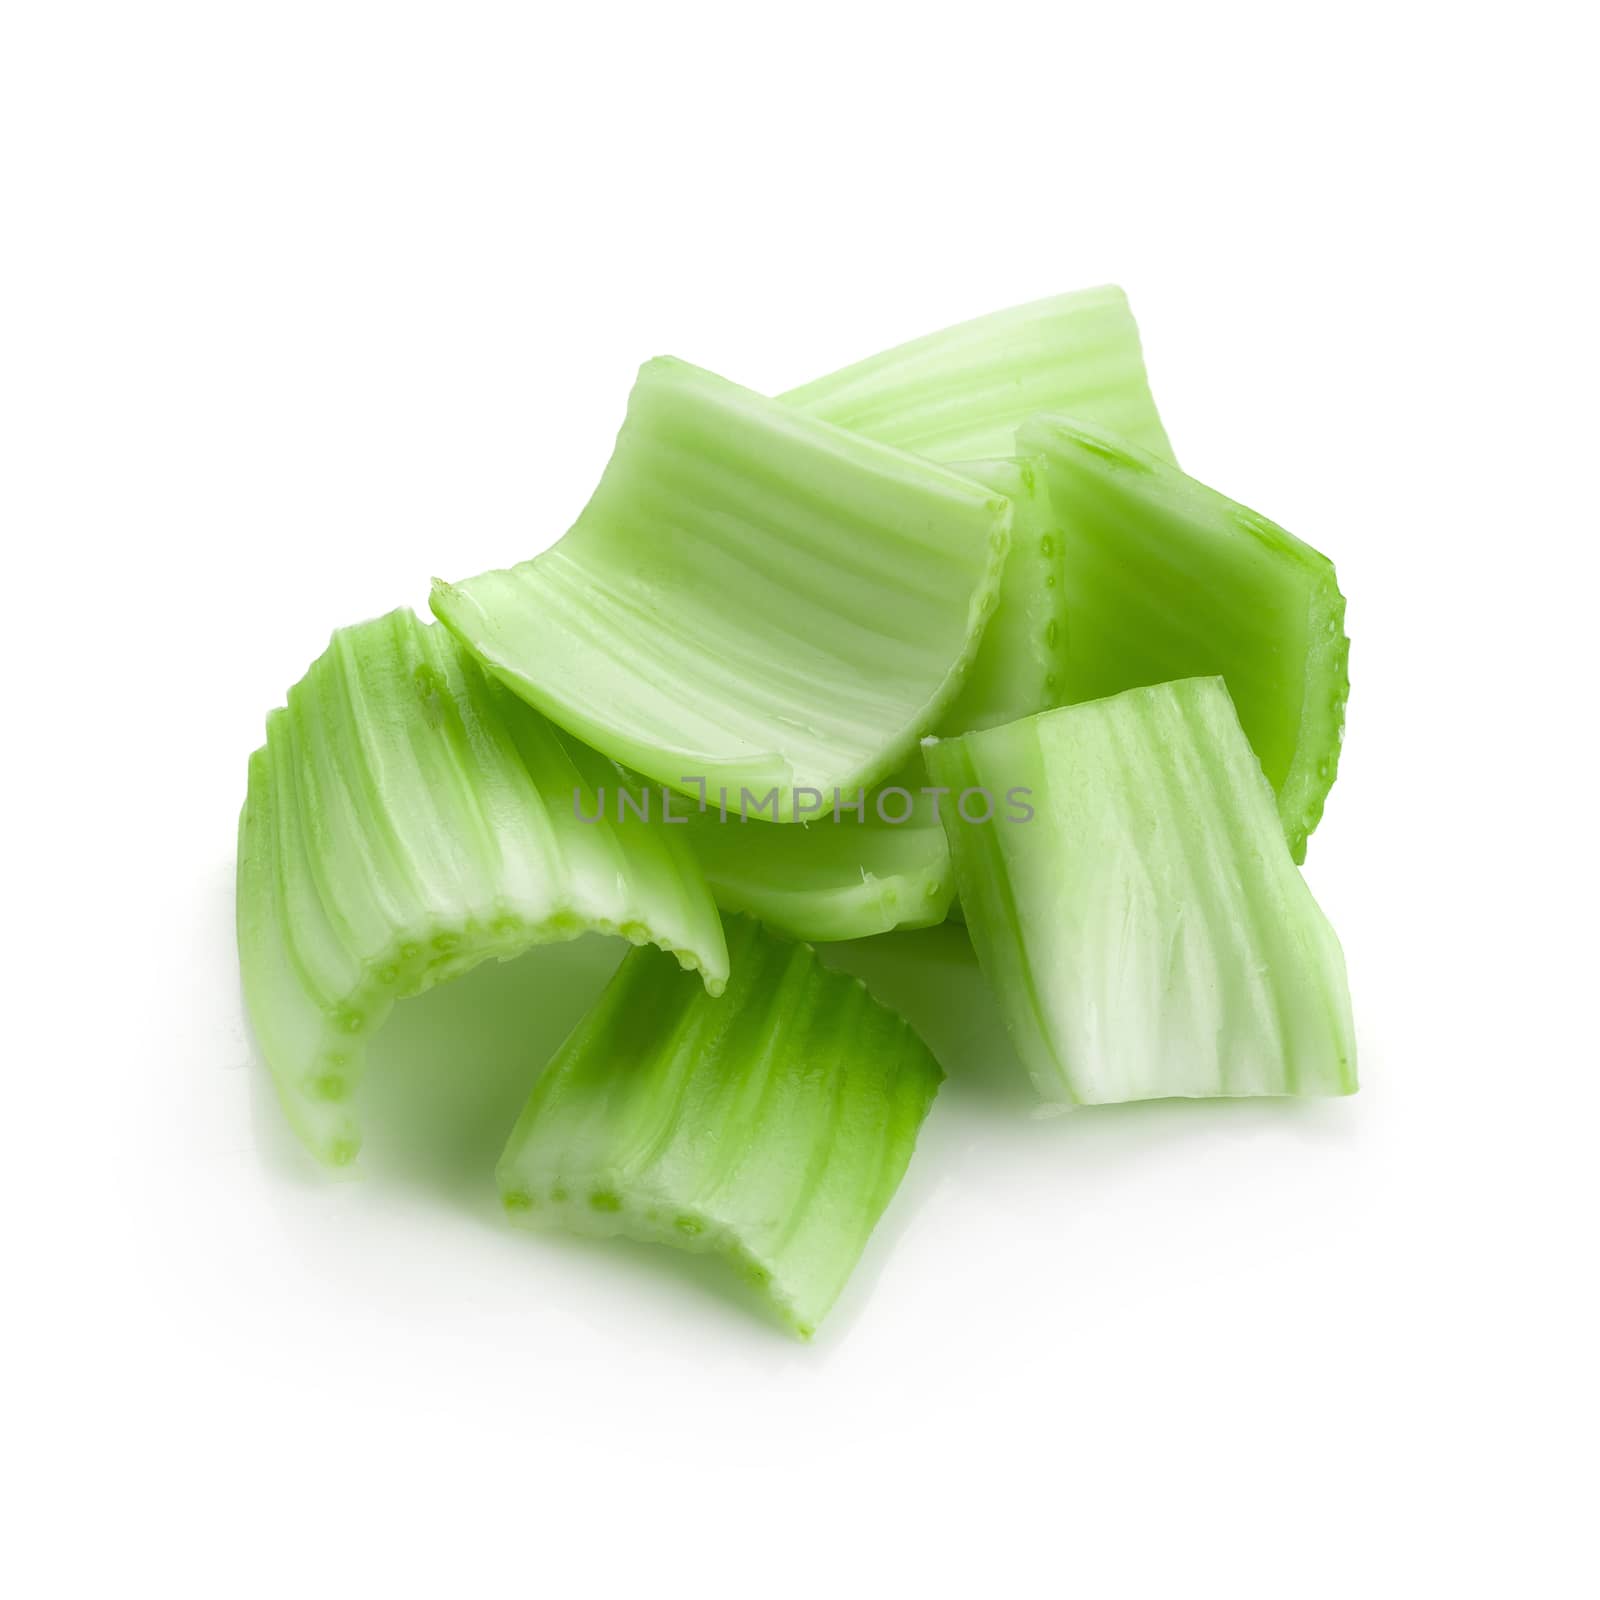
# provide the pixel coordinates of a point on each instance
(944, 635)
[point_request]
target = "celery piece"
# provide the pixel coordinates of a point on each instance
(771, 1126)
(959, 395)
(1018, 669)
(407, 818)
(1146, 932)
(751, 600)
(838, 877)
(1167, 579)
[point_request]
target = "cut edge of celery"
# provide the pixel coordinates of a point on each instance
(316, 998)
(829, 880)
(1018, 668)
(771, 1127)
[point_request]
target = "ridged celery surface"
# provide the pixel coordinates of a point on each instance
(1147, 933)
(1018, 669)
(960, 395)
(831, 879)
(752, 598)
(770, 1126)
(408, 818)
(1167, 579)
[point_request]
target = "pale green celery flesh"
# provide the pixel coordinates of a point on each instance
(831, 879)
(960, 394)
(770, 1126)
(751, 599)
(1147, 933)
(408, 818)
(1168, 579)
(1018, 669)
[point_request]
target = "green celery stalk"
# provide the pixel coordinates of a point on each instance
(1146, 932)
(751, 599)
(406, 819)
(771, 1126)
(1167, 579)
(960, 395)
(831, 879)
(1019, 667)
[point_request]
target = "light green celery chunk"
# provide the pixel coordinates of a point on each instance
(959, 395)
(406, 819)
(771, 1126)
(831, 879)
(1146, 932)
(1168, 579)
(1018, 669)
(751, 599)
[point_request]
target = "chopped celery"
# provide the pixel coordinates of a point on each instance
(836, 878)
(1167, 579)
(408, 818)
(771, 1126)
(1146, 932)
(752, 599)
(959, 395)
(1018, 667)
(960, 584)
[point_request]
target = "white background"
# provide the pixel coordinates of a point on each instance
(304, 303)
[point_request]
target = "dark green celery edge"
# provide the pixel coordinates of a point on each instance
(1165, 578)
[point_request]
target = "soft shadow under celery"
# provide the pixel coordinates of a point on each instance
(449, 1071)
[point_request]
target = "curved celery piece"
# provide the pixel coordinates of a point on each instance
(406, 819)
(1146, 932)
(1167, 579)
(750, 600)
(959, 395)
(838, 877)
(771, 1126)
(1018, 669)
